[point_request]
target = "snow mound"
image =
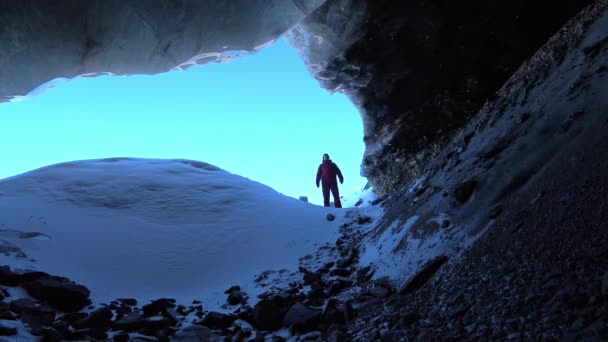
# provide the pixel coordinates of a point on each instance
(151, 228)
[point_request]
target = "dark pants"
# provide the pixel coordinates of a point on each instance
(334, 191)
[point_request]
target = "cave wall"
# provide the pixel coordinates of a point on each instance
(47, 39)
(418, 70)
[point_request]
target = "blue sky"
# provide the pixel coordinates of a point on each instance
(261, 116)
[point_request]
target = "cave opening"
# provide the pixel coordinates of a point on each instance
(261, 116)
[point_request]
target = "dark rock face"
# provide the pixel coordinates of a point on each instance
(419, 70)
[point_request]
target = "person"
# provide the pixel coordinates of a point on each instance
(326, 174)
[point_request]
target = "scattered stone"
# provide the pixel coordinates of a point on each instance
(235, 298)
(359, 202)
(60, 293)
(311, 277)
(330, 217)
(128, 301)
(157, 306)
(121, 337)
(361, 220)
(605, 284)
(196, 333)
(5, 312)
(495, 211)
(458, 311)
(380, 292)
(267, 316)
(99, 319)
(7, 331)
(342, 272)
(8, 277)
(424, 275)
(302, 318)
(217, 321)
(21, 305)
(233, 289)
(464, 190)
(339, 285)
(333, 313)
(377, 201)
(364, 275)
(49, 334)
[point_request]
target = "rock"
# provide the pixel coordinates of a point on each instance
(5, 312)
(380, 292)
(235, 298)
(341, 272)
(361, 220)
(196, 333)
(267, 316)
(330, 217)
(245, 313)
(157, 306)
(21, 305)
(51, 335)
(445, 223)
(605, 284)
(364, 275)
(377, 201)
(171, 315)
(217, 321)
(8, 277)
(344, 262)
(426, 272)
(311, 277)
(121, 337)
(333, 313)
(495, 211)
(60, 293)
(458, 311)
(233, 289)
(302, 318)
(339, 285)
(303, 198)
(100, 319)
(7, 331)
(524, 117)
(135, 322)
(37, 317)
(311, 336)
(464, 190)
(336, 333)
(128, 301)
(359, 202)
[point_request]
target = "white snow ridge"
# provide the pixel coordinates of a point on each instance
(151, 228)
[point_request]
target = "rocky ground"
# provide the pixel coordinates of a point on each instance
(313, 304)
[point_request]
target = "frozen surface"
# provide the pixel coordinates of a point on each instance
(150, 228)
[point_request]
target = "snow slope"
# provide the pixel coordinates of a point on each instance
(150, 228)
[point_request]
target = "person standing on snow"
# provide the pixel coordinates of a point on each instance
(327, 172)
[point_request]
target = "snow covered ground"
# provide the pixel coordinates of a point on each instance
(151, 228)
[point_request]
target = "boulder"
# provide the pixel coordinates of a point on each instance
(60, 293)
(267, 316)
(195, 333)
(157, 306)
(302, 318)
(217, 321)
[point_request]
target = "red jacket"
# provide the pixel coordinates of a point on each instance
(327, 172)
